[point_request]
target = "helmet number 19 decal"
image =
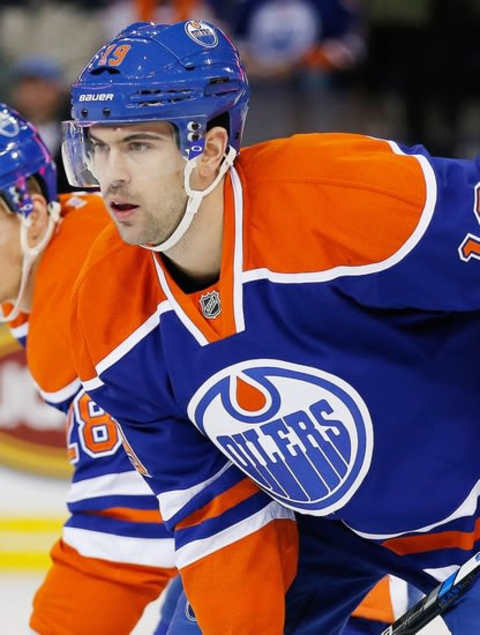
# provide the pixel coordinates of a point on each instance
(114, 55)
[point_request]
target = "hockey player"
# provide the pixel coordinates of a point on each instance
(307, 316)
(113, 546)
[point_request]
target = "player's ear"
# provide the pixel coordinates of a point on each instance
(38, 219)
(216, 141)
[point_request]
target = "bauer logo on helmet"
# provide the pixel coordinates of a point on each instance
(96, 97)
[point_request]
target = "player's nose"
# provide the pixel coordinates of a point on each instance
(115, 173)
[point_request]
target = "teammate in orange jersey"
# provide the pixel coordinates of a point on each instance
(114, 549)
(307, 316)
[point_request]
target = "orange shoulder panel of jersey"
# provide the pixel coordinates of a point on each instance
(317, 201)
(255, 571)
(88, 595)
(109, 302)
(48, 347)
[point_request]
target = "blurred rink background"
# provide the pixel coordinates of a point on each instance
(389, 68)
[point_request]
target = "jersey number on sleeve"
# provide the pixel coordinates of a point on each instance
(97, 430)
(72, 447)
(470, 247)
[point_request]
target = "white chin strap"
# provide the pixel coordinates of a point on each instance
(30, 254)
(195, 198)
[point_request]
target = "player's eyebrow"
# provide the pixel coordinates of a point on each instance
(136, 136)
(139, 136)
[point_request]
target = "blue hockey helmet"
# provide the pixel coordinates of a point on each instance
(187, 74)
(23, 154)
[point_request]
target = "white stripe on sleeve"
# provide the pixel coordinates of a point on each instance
(153, 552)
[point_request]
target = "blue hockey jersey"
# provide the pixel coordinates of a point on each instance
(333, 362)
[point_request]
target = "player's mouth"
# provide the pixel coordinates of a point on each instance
(122, 211)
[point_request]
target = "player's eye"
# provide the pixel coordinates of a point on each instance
(138, 146)
(96, 147)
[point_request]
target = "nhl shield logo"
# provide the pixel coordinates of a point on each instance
(210, 304)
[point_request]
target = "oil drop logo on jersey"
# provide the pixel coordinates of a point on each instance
(304, 435)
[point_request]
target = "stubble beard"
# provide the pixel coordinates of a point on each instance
(154, 230)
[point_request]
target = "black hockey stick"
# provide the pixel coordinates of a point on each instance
(437, 601)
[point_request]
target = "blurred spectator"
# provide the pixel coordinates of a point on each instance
(453, 71)
(38, 92)
(293, 50)
(121, 13)
(278, 37)
(68, 32)
(422, 67)
(396, 70)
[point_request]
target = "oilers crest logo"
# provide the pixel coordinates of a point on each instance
(201, 33)
(304, 435)
(8, 125)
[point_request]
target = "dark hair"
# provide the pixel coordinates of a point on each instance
(222, 120)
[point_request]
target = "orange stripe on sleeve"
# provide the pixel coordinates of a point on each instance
(236, 494)
(131, 515)
(431, 542)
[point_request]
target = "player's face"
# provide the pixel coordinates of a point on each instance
(140, 172)
(11, 257)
